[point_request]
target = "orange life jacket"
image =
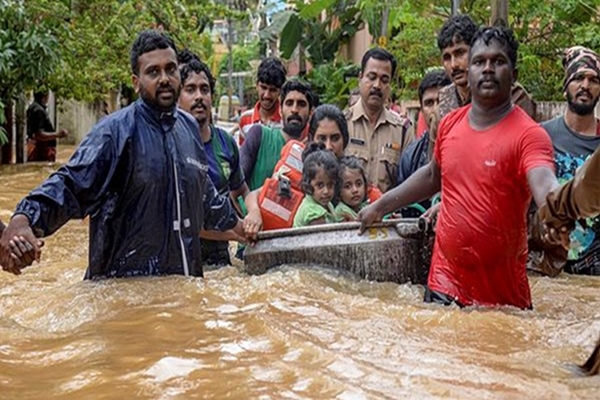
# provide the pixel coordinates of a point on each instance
(277, 210)
(290, 164)
(281, 195)
(373, 193)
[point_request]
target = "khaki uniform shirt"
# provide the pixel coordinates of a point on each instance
(379, 149)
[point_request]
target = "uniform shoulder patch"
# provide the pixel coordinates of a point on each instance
(348, 114)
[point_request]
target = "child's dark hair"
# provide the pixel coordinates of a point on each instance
(314, 158)
(352, 162)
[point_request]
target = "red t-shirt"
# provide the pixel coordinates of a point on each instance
(251, 117)
(421, 125)
(480, 249)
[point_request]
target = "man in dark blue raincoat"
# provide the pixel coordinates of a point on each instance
(141, 176)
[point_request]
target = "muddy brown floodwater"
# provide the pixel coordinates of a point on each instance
(288, 334)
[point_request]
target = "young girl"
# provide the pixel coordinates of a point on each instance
(353, 188)
(319, 184)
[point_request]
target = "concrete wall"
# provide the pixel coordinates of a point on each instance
(78, 118)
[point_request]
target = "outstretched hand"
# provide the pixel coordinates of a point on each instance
(252, 225)
(18, 246)
(23, 252)
(432, 213)
(558, 236)
(367, 217)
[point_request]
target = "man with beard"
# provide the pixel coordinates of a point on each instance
(378, 136)
(222, 153)
(489, 158)
(262, 149)
(575, 136)
(454, 42)
(269, 79)
(141, 176)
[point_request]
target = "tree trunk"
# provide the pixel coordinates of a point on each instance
(455, 7)
(499, 15)
(20, 129)
(230, 67)
(7, 149)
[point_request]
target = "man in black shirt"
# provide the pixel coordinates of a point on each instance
(418, 153)
(41, 136)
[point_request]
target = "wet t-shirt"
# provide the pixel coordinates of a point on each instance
(481, 242)
(310, 210)
(223, 161)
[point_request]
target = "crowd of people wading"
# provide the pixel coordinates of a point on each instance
(166, 190)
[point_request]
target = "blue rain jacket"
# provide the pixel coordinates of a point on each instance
(142, 177)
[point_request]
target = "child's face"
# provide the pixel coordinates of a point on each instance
(323, 188)
(353, 188)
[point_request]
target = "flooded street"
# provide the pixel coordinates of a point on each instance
(288, 334)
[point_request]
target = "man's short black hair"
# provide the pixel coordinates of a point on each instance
(39, 95)
(185, 56)
(459, 28)
(433, 79)
(379, 54)
(502, 35)
(301, 86)
(147, 41)
(197, 66)
(271, 72)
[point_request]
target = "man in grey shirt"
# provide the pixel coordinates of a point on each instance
(575, 135)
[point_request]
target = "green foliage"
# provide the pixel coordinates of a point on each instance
(320, 36)
(544, 29)
(333, 82)
(95, 36)
(242, 56)
(28, 51)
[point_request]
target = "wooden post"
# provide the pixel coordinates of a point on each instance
(229, 67)
(20, 129)
(499, 15)
(455, 7)
(7, 149)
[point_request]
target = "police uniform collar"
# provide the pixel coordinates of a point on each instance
(358, 111)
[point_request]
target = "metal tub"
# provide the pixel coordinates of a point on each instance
(393, 251)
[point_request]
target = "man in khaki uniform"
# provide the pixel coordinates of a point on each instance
(378, 136)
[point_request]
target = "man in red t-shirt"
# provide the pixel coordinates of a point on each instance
(270, 78)
(490, 157)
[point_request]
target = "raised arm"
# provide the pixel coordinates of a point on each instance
(424, 183)
(578, 198)
(73, 191)
(541, 181)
